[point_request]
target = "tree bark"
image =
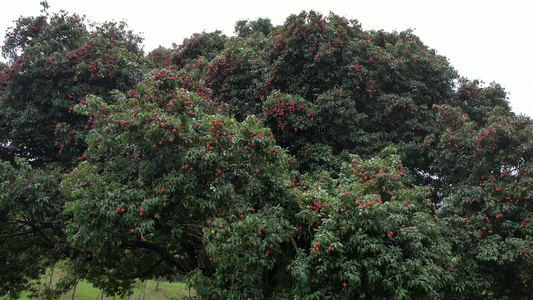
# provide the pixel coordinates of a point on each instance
(74, 290)
(157, 283)
(144, 290)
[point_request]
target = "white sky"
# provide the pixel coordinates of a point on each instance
(488, 40)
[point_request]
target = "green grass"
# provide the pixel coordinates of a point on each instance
(165, 291)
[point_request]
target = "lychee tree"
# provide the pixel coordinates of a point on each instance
(245, 28)
(205, 44)
(329, 88)
(170, 180)
(161, 168)
(369, 235)
(234, 76)
(53, 62)
(160, 58)
(32, 238)
(485, 176)
(309, 160)
(363, 90)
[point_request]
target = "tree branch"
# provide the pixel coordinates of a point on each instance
(146, 272)
(167, 256)
(294, 244)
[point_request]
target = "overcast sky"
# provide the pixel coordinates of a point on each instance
(487, 40)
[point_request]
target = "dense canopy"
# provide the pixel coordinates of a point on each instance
(310, 160)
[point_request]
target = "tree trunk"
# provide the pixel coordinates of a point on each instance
(74, 290)
(157, 283)
(51, 276)
(144, 290)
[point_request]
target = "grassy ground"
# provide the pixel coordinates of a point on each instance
(165, 291)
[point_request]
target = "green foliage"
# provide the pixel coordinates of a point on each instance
(160, 58)
(233, 77)
(31, 225)
(158, 168)
(370, 236)
(363, 90)
(245, 28)
(54, 62)
(485, 178)
(309, 160)
(203, 44)
(477, 101)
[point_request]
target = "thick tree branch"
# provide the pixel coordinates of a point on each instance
(146, 272)
(161, 251)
